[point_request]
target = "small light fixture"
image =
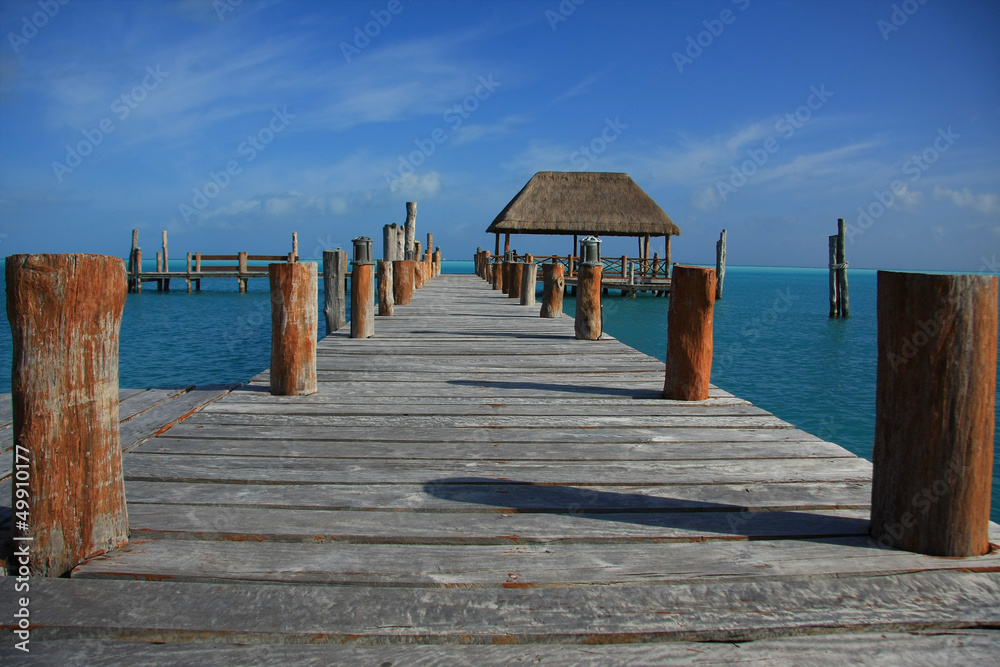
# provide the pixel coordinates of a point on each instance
(590, 251)
(362, 250)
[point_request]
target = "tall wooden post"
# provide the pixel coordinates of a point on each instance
(402, 281)
(666, 254)
(505, 274)
(720, 264)
(689, 334)
(553, 285)
(842, 291)
(197, 269)
(133, 271)
(294, 257)
(588, 325)
(516, 271)
(437, 261)
(410, 230)
(834, 298)
(294, 320)
(389, 242)
(334, 280)
(418, 267)
(506, 242)
(65, 314)
(934, 421)
(363, 290)
(529, 280)
(385, 290)
(487, 265)
(166, 261)
(187, 272)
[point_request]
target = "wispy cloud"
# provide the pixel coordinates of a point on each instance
(988, 203)
(468, 134)
(583, 86)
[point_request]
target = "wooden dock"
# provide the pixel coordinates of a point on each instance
(473, 486)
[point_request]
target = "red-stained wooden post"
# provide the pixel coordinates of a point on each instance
(402, 281)
(553, 285)
(498, 268)
(294, 320)
(516, 271)
(934, 421)
(363, 290)
(588, 324)
(689, 333)
(68, 490)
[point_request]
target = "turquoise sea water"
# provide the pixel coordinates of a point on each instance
(774, 344)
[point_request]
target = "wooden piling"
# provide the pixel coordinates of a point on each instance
(363, 300)
(294, 255)
(385, 289)
(133, 270)
(334, 281)
(403, 276)
(437, 261)
(689, 334)
(720, 264)
(65, 314)
(418, 266)
(243, 269)
(842, 291)
(934, 421)
(410, 231)
(187, 272)
(487, 266)
(529, 280)
(553, 285)
(166, 261)
(516, 272)
(138, 264)
(294, 319)
(589, 324)
(498, 269)
(834, 300)
(505, 276)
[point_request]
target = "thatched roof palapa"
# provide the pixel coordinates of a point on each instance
(582, 202)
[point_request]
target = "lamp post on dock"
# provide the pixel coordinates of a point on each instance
(362, 290)
(589, 325)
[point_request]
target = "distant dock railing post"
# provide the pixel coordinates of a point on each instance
(294, 321)
(934, 413)
(689, 334)
(65, 314)
(589, 323)
(334, 284)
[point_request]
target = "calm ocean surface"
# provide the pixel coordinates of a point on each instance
(774, 344)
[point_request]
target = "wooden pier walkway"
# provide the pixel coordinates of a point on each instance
(474, 486)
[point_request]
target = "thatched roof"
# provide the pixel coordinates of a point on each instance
(583, 202)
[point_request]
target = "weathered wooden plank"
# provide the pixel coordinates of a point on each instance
(163, 416)
(497, 451)
(727, 611)
(198, 522)
(915, 649)
(153, 467)
(526, 565)
(506, 497)
(6, 410)
(142, 400)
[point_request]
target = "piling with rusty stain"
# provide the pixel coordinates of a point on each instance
(689, 333)
(294, 319)
(363, 300)
(934, 421)
(402, 281)
(588, 325)
(516, 272)
(497, 281)
(65, 314)
(553, 285)
(385, 289)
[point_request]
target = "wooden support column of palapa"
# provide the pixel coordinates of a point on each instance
(553, 285)
(385, 289)
(65, 314)
(403, 277)
(334, 284)
(934, 421)
(294, 320)
(689, 334)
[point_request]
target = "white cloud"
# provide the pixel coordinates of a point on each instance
(706, 199)
(909, 199)
(415, 186)
(984, 203)
(468, 134)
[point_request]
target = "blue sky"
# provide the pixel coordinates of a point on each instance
(233, 123)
